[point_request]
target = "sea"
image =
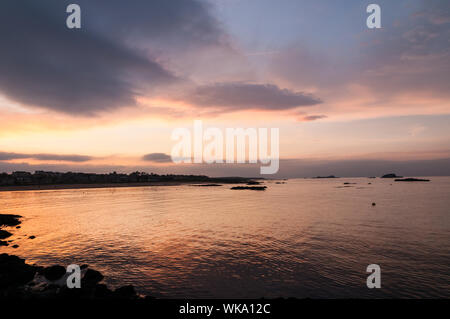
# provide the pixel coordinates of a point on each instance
(301, 238)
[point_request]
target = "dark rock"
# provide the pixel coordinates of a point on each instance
(32, 237)
(125, 292)
(149, 298)
(253, 188)
(391, 175)
(374, 204)
(15, 274)
(54, 272)
(15, 246)
(3, 243)
(228, 180)
(101, 291)
(412, 180)
(4, 234)
(253, 183)
(9, 220)
(330, 176)
(14, 271)
(347, 183)
(18, 227)
(91, 278)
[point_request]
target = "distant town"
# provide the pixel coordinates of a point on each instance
(55, 178)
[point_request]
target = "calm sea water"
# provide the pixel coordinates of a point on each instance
(306, 238)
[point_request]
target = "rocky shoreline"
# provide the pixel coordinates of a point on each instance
(19, 280)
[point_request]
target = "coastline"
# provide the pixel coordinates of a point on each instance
(209, 180)
(87, 186)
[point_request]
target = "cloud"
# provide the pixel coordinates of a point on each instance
(413, 56)
(171, 24)
(404, 67)
(99, 67)
(4, 156)
(157, 157)
(234, 96)
(305, 66)
(310, 118)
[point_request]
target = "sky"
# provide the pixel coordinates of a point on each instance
(347, 99)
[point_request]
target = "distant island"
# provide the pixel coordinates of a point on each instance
(391, 175)
(401, 179)
(330, 176)
(55, 180)
(253, 188)
(412, 180)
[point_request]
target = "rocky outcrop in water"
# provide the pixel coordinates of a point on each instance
(391, 175)
(321, 177)
(19, 280)
(412, 180)
(253, 183)
(4, 234)
(9, 220)
(253, 188)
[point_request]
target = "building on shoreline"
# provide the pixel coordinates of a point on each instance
(20, 178)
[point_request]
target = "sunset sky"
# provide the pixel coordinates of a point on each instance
(101, 97)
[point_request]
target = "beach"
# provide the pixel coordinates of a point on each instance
(85, 186)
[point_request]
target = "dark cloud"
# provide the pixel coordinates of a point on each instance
(173, 23)
(240, 96)
(310, 118)
(4, 156)
(98, 67)
(157, 157)
(62, 158)
(11, 156)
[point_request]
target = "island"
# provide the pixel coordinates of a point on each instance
(391, 175)
(320, 177)
(253, 188)
(412, 180)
